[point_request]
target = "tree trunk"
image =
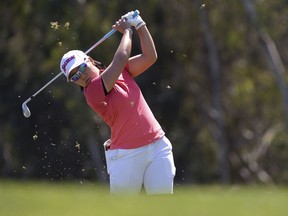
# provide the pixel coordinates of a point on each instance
(216, 112)
(271, 53)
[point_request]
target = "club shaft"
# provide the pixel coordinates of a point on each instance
(41, 89)
(58, 75)
(101, 40)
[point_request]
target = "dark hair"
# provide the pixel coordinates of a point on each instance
(99, 65)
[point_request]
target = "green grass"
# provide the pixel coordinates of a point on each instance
(46, 199)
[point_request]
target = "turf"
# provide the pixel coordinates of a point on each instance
(53, 199)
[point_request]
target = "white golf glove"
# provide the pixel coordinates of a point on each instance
(137, 21)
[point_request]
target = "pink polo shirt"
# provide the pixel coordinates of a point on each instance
(125, 110)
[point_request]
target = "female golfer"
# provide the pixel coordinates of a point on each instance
(138, 153)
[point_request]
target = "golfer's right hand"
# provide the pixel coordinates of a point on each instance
(121, 25)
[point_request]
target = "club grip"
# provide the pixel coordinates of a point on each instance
(136, 13)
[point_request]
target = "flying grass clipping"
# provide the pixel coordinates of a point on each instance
(56, 26)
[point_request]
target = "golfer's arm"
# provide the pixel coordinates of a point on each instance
(121, 57)
(139, 63)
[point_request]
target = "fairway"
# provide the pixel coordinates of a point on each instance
(30, 198)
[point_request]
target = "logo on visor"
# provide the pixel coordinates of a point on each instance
(67, 62)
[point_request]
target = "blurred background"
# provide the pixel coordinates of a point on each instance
(219, 88)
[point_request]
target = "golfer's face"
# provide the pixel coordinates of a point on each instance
(83, 74)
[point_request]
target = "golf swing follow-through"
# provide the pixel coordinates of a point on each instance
(138, 153)
(26, 110)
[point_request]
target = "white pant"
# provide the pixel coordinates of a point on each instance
(151, 165)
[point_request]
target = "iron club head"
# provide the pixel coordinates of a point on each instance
(26, 111)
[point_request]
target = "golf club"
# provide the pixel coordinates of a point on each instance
(26, 110)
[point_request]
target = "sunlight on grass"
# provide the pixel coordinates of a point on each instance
(30, 198)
